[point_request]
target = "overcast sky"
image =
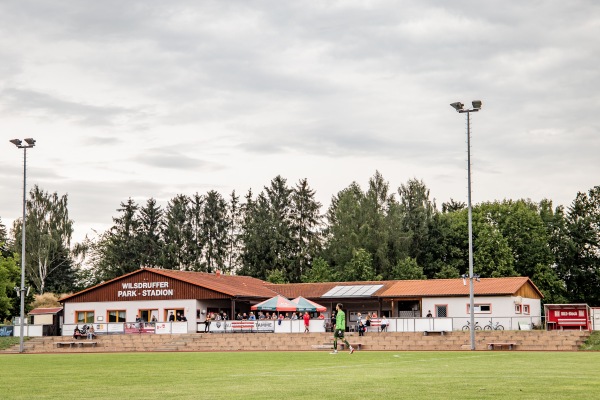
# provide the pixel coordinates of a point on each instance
(157, 98)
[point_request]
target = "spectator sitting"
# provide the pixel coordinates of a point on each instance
(252, 317)
(76, 332)
(384, 323)
(91, 333)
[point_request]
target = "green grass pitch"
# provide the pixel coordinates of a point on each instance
(303, 375)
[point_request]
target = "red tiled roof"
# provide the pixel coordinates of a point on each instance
(232, 285)
(455, 287)
(48, 310)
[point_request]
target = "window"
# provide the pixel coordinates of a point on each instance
(441, 311)
(480, 309)
(175, 312)
(517, 309)
(116, 316)
(84, 317)
(148, 315)
(525, 309)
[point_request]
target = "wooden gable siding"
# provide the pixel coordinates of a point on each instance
(528, 291)
(181, 290)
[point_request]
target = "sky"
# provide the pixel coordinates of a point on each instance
(151, 99)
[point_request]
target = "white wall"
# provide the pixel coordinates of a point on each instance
(502, 310)
(131, 308)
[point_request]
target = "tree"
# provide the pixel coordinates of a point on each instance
(418, 212)
(408, 269)
(9, 276)
(305, 221)
(235, 216)
(177, 234)
(215, 229)
(149, 235)
(319, 272)
(578, 256)
(48, 238)
(195, 218)
(359, 268)
(118, 251)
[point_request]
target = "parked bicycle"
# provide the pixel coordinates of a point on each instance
(493, 327)
(467, 327)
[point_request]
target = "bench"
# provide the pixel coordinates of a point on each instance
(357, 346)
(580, 322)
(79, 344)
(327, 346)
(426, 333)
(510, 345)
(375, 323)
(242, 326)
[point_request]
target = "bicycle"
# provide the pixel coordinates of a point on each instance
(467, 327)
(493, 327)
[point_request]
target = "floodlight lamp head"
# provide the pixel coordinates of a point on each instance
(457, 106)
(30, 141)
(476, 105)
(16, 142)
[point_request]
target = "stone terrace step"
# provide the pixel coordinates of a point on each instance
(391, 341)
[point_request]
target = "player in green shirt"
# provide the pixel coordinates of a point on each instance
(340, 328)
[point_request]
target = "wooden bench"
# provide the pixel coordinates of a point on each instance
(327, 346)
(357, 346)
(426, 333)
(242, 326)
(509, 345)
(78, 344)
(61, 344)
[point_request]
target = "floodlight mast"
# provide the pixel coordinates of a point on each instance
(459, 107)
(22, 291)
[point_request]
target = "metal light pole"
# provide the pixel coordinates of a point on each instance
(460, 108)
(30, 143)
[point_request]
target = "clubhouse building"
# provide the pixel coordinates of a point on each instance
(145, 300)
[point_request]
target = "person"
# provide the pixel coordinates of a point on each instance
(306, 318)
(207, 322)
(368, 323)
(76, 332)
(359, 322)
(294, 316)
(252, 317)
(429, 314)
(171, 316)
(238, 316)
(361, 328)
(154, 318)
(332, 321)
(340, 328)
(182, 318)
(384, 323)
(90, 332)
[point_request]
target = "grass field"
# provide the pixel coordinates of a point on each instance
(303, 375)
